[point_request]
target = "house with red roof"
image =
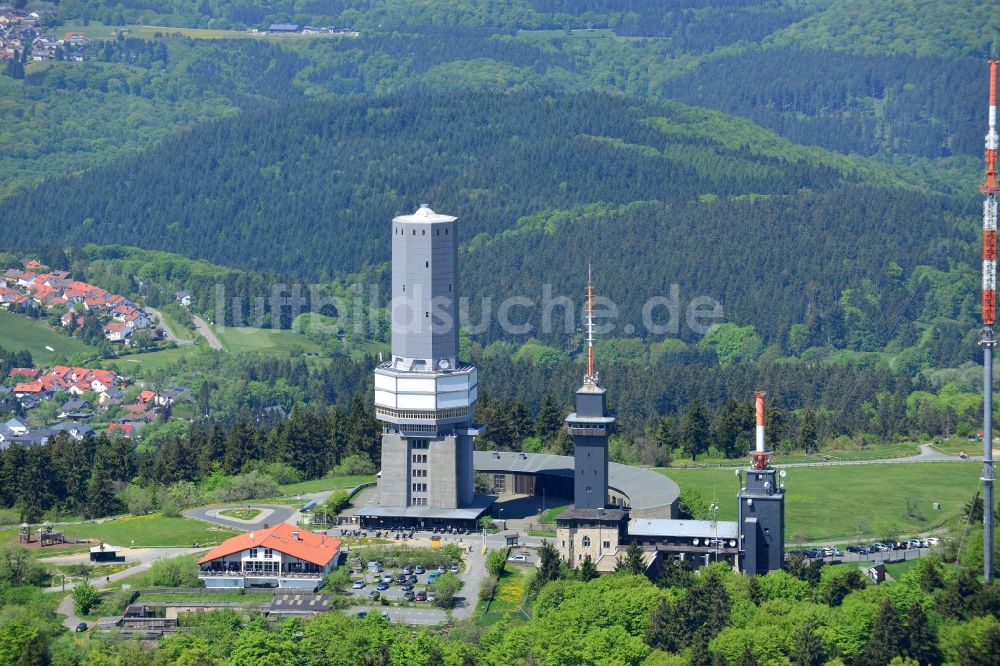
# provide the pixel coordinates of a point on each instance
(27, 388)
(116, 331)
(280, 556)
(145, 397)
(24, 372)
(126, 430)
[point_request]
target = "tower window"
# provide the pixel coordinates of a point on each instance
(449, 287)
(414, 232)
(445, 232)
(423, 232)
(427, 264)
(586, 542)
(427, 314)
(438, 232)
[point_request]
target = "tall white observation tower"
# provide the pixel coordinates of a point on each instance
(424, 395)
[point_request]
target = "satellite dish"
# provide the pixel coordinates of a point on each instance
(737, 474)
(732, 543)
(444, 364)
(783, 473)
(694, 541)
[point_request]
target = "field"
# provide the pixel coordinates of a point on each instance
(878, 452)
(18, 333)
(851, 501)
(151, 530)
(326, 483)
(263, 339)
(247, 599)
(152, 361)
(241, 514)
(513, 585)
(95, 30)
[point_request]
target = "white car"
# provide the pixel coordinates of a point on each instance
(518, 558)
(358, 584)
(933, 541)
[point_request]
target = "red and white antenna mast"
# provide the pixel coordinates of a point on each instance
(591, 376)
(760, 455)
(987, 341)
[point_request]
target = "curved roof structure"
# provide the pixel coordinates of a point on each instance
(649, 493)
(424, 214)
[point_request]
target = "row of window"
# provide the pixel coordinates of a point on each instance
(420, 487)
(586, 543)
(253, 552)
(423, 232)
(418, 501)
(422, 414)
(426, 265)
(419, 457)
(419, 474)
(420, 443)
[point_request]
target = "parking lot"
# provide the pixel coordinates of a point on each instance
(873, 552)
(396, 585)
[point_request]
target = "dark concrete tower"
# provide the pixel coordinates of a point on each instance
(590, 425)
(762, 508)
(425, 397)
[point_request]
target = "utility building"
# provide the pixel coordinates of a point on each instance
(762, 508)
(424, 395)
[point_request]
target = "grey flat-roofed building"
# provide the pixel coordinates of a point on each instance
(424, 396)
(645, 492)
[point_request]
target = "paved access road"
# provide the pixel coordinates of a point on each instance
(205, 331)
(142, 558)
(272, 515)
(170, 335)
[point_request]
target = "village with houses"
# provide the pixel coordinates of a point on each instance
(55, 291)
(22, 34)
(84, 394)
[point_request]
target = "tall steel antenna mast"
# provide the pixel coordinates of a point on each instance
(987, 341)
(591, 377)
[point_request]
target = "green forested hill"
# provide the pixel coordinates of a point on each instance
(772, 230)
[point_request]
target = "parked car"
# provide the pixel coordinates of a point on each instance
(408, 587)
(441, 569)
(374, 595)
(362, 613)
(81, 627)
(419, 569)
(878, 547)
(401, 579)
(382, 585)
(857, 549)
(358, 584)
(407, 570)
(408, 596)
(421, 595)
(433, 576)
(933, 541)
(431, 597)
(518, 558)
(412, 578)
(453, 568)
(387, 578)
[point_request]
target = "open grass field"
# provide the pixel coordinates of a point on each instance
(263, 339)
(513, 585)
(151, 530)
(133, 364)
(95, 30)
(19, 333)
(851, 502)
(327, 483)
(248, 599)
(879, 452)
(241, 514)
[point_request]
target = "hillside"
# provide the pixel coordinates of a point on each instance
(309, 195)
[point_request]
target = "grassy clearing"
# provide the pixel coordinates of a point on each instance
(897, 569)
(241, 514)
(880, 452)
(327, 483)
(152, 361)
(549, 515)
(95, 30)
(20, 333)
(153, 530)
(263, 339)
(851, 501)
(248, 599)
(513, 585)
(957, 445)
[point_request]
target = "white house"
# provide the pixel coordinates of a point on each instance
(280, 556)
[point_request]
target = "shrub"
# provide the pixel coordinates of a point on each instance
(353, 464)
(247, 486)
(175, 572)
(85, 597)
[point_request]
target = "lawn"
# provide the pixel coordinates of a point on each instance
(248, 599)
(851, 501)
(151, 530)
(879, 452)
(241, 514)
(96, 30)
(19, 333)
(263, 339)
(132, 364)
(549, 515)
(326, 483)
(957, 445)
(513, 585)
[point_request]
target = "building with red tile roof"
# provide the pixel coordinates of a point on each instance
(280, 556)
(24, 372)
(124, 429)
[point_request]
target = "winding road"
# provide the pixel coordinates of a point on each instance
(167, 331)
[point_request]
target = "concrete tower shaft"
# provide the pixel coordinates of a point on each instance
(424, 292)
